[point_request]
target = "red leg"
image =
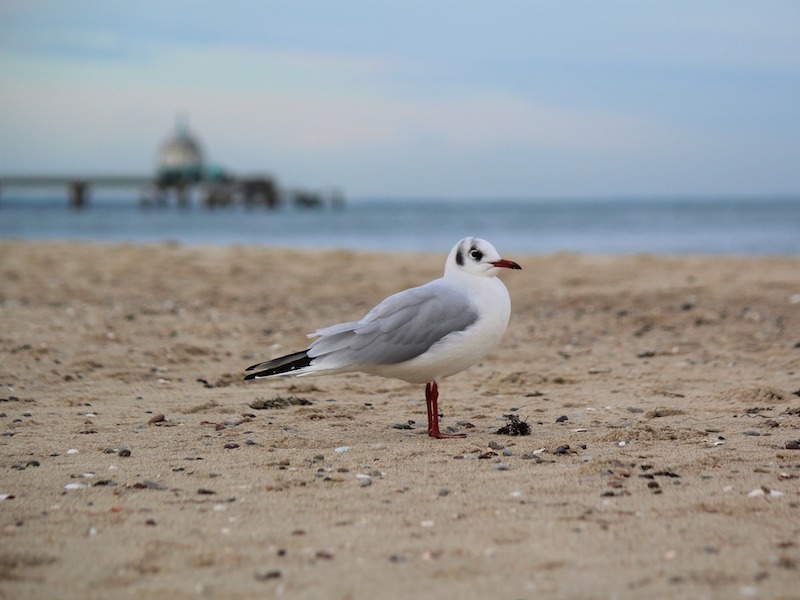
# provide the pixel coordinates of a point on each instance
(428, 404)
(432, 402)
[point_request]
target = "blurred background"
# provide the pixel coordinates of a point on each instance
(594, 126)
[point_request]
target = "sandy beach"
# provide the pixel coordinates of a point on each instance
(662, 395)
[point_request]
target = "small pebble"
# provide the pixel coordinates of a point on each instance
(398, 558)
(267, 575)
(153, 485)
(156, 419)
(502, 466)
(230, 445)
(124, 452)
(496, 445)
(342, 449)
(792, 445)
(562, 419)
(75, 486)
(444, 491)
(365, 481)
(531, 456)
(72, 451)
(751, 432)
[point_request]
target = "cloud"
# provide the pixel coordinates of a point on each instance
(494, 120)
(308, 101)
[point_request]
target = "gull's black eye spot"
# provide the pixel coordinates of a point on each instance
(475, 254)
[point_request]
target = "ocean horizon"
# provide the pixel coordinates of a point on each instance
(768, 226)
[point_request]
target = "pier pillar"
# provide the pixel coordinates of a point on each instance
(78, 193)
(182, 192)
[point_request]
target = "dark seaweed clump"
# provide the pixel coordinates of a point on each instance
(514, 426)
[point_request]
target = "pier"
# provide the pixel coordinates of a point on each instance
(77, 186)
(182, 173)
(251, 191)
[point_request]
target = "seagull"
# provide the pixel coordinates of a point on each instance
(420, 335)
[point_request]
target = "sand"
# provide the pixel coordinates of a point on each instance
(661, 394)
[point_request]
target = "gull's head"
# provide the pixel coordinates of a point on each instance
(477, 257)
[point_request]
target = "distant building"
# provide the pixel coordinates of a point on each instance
(181, 161)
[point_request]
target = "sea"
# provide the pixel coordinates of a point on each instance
(755, 226)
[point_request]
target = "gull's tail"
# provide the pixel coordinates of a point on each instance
(278, 366)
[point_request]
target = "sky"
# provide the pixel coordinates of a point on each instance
(414, 98)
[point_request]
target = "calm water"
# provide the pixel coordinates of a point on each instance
(724, 226)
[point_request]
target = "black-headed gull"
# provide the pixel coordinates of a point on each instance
(420, 335)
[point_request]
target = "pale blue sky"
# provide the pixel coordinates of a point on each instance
(415, 98)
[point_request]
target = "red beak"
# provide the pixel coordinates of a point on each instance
(506, 264)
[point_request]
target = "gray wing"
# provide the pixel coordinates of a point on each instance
(400, 328)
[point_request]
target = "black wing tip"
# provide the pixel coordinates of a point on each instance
(279, 366)
(257, 365)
